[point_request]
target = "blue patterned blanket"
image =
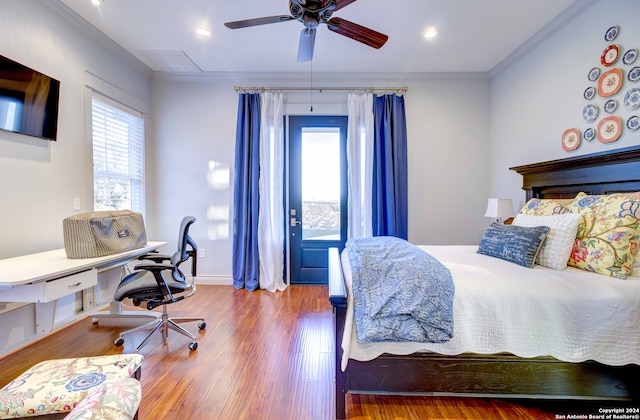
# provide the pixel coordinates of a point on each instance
(400, 292)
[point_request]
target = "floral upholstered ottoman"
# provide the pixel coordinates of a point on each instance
(58, 386)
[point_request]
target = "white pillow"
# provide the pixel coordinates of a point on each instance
(556, 249)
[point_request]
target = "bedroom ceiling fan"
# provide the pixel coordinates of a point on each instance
(312, 13)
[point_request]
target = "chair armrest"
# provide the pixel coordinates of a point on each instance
(155, 257)
(154, 267)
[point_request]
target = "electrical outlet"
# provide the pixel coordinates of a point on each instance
(202, 253)
(76, 204)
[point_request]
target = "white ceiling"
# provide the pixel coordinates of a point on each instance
(474, 35)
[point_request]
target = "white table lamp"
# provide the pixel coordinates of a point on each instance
(499, 209)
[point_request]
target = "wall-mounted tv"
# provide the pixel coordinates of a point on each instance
(28, 101)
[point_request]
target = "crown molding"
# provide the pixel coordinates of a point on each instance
(554, 26)
(324, 78)
(85, 28)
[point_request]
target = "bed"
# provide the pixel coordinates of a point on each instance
(503, 375)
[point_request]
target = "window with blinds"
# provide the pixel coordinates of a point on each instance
(118, 156)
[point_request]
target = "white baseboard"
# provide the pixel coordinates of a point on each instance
(214, 280)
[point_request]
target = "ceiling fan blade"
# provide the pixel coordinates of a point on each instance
(342, 3)
(307, 42)
(357, 32)
(257, 21)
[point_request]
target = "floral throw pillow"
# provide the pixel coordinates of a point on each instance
(607, 241)
(116, 399)
(546, 206)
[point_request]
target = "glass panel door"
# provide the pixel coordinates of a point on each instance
(317, 194)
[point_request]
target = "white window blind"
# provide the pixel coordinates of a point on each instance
(118, 156)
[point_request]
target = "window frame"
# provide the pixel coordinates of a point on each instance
(96, 86)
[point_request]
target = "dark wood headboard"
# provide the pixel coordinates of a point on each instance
(597, 173)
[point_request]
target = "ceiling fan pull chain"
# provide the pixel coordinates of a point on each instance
(311, 82)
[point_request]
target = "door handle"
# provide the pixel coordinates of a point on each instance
(293, 222)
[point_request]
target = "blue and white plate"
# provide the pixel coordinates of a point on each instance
(633, 123)
(631, 99)
(630, 56)
(611, 33)
(610, 106)
(590, 113)
(589, 93)
(634, 74)
(589, 134)
(594, 73)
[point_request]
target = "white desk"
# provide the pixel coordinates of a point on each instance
(46, 276)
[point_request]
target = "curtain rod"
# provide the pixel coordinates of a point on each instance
(320, 89)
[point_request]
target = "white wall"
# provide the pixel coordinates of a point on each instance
(540, 95)
(39, 179)
(193, 150)
(448, 132)
(194, 135)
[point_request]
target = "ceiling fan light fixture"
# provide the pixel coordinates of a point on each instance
(203, 31)
(430, 33)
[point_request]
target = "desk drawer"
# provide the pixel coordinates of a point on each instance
(67, 285)
(52, 289)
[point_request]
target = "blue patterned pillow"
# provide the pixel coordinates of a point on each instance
(517, 244)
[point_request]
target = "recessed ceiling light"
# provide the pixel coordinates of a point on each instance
(204, 32)
(430, 33)
(96, 2)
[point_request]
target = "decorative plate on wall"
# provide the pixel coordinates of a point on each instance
(630, 56)
(610, 55)
(633, 123)
(610, 106)
(590, 113)
(634, 74)
(571, 139)
(610, 82)
(589, 134)
(589, 93)
(609, 129)
(631, 99)
(611, 33)
(593, 74)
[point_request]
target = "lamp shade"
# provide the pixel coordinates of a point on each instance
(499, 208)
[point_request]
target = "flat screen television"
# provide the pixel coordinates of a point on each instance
(28, 101)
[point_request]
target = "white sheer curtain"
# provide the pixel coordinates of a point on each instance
(271, 217)
(360, 164)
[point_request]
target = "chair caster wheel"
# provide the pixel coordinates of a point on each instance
(193, 346)
(202, 325)
(118, 342)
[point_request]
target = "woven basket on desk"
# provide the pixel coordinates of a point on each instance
(100, 233)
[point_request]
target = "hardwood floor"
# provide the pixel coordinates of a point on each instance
(262, 356)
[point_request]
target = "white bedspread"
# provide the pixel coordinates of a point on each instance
(572, 315)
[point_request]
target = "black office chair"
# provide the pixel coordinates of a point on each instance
(147, 283)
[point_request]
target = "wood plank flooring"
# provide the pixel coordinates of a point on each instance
(262, 356)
